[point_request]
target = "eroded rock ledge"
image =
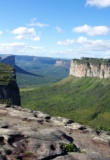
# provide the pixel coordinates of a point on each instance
(33, 135)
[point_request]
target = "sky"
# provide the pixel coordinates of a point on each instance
(55, 28)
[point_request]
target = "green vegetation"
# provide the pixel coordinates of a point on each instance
(28, 153)
(85, 100)
(69, 147)
(95, 61)
(6, 101)
(51, 75)
(6, 74)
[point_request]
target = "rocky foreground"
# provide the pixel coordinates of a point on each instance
(33, 135)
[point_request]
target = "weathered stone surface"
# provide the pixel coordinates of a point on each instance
(75, 126)
(49, 135)
(8, 132)
(45, 149)
(101, 141)
(105, 135)
(22, 136)
(19, 113)
(74, 156)
(79, 156)
(40, 114)
(59, 121)
(4, 125)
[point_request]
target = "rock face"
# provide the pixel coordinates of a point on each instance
(90, 68)
(9, 91)
(34, 135)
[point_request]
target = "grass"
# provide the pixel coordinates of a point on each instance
(52, 74)
(85, 100)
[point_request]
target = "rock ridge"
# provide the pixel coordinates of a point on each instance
(90, 67)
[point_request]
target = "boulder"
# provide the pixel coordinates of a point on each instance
(100, 141)
(75, 126)
(40, 114)
(19, 113)
(45, 149)
(73, 156)
(60, 121)
(49, 134)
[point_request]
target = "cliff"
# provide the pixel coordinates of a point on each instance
(90, 67)
(9, 91)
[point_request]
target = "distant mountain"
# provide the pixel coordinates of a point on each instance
(10, 60)
(46, 66)
(43, 60)
(32, 70)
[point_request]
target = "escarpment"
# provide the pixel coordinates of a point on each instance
(9, 91)
(90, 67)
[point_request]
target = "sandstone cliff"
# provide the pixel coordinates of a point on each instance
(9, 91)
(90, 67)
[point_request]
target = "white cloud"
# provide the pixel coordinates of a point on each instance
(83, 47)
(81, 39)
(66, 42)
(34, 23)
(26, 33)
(36, 38)
(19, 48)
(93, 45)
(11, 47)
(19, 37)
(92, 31)
(58, 29)
(41, 25)
(1, 32)
(98, 3)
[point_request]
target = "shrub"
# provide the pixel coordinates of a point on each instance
(69, 147)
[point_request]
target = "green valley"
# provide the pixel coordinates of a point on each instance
(85, 100)
(46, 70)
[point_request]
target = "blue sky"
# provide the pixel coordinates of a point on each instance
(55, 28)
